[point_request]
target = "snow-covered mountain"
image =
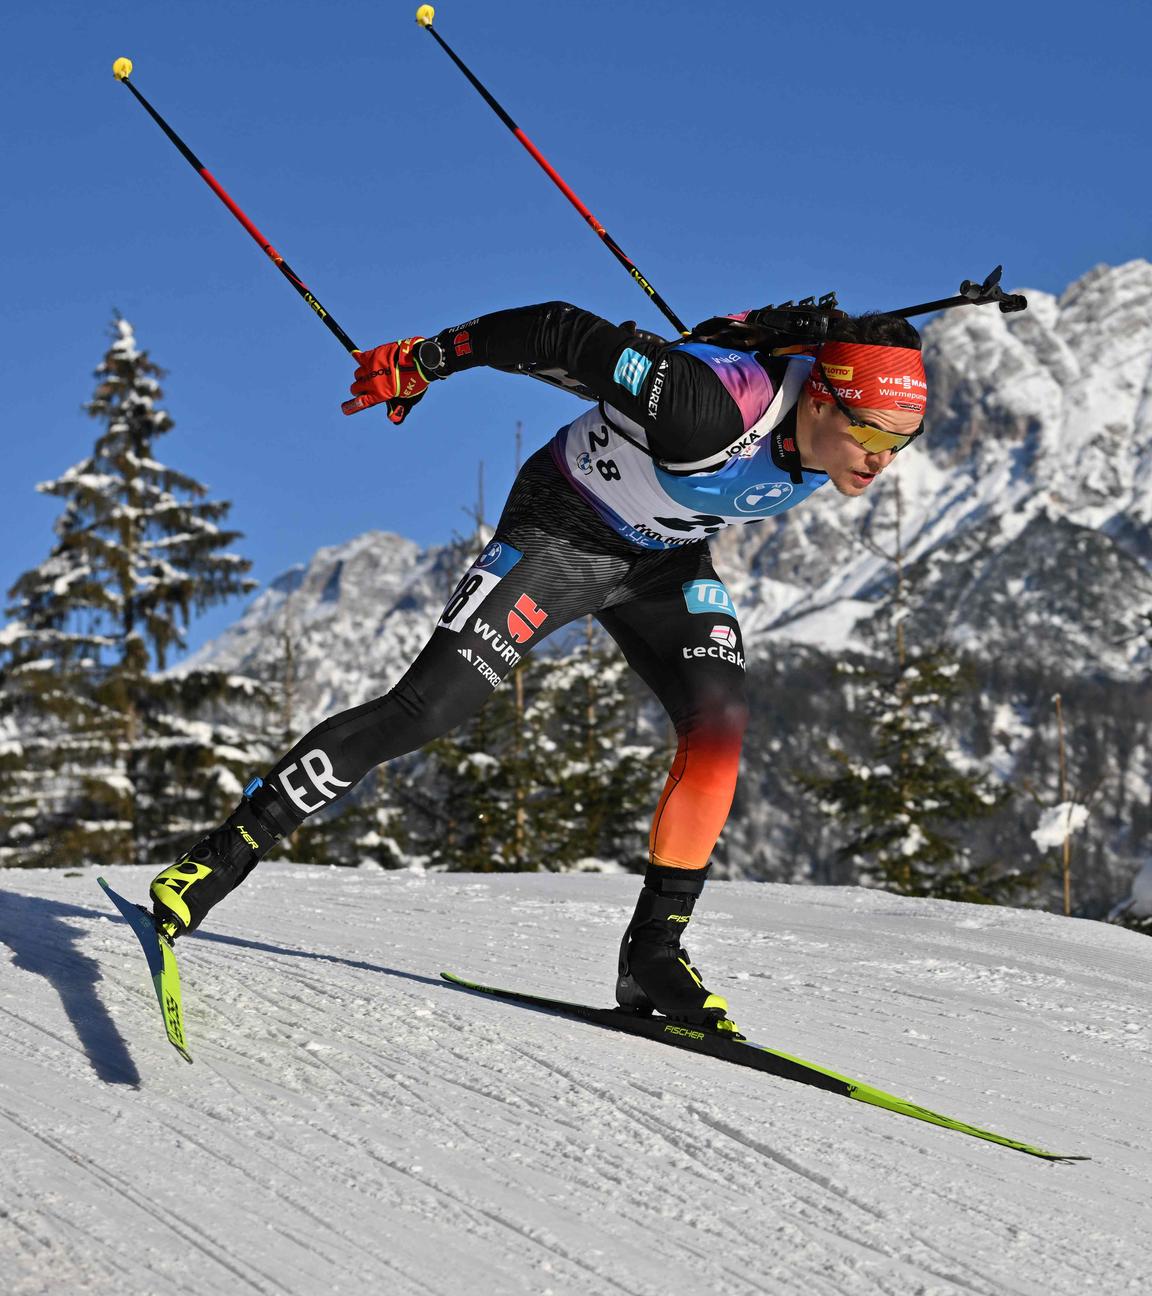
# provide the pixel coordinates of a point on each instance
(346, 626)
(354, 1125)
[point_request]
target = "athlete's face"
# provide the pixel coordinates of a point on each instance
(826, 443)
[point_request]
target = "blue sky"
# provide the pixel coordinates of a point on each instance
(740, 154)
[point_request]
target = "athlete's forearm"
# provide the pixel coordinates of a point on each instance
(553, 335)
(685, 409)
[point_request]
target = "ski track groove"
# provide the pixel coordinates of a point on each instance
(72, 1045)
(473, 1210)
(825, 1183)
(420, 1103)
(546, 1107)
(115, 1184)
(800, 1205)
(552, 1248)
(343, 1239)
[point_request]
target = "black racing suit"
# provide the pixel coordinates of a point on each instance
(572, 565)
(553, 559)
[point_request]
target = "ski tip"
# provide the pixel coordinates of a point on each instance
(464, 984)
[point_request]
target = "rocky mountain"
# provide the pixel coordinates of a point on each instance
(1022, 527)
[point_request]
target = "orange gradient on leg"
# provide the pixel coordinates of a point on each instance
(698, 794)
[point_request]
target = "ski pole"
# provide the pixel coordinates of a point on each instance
(424, 16)
(122, 70)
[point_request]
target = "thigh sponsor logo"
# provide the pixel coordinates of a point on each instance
(478, 582)
(525, 619)
(708, 596)
(322, 777)
(492, 676)
(501, 647)
(657, 389)
(725, 635)
(715, 651)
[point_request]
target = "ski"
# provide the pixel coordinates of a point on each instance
(162, 965)
(757, 1056)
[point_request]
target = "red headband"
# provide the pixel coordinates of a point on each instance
(871, 377)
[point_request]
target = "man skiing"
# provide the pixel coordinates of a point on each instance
(611, 519)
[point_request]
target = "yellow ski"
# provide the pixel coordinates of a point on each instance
(162, 965)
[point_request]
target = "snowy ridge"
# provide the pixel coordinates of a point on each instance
(355, 617)
(353, 1125)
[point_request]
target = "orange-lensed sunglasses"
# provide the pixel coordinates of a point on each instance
(873, 439)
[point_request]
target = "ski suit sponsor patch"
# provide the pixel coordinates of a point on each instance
(708, 596)
(763, 497)
(478, 582)
(525, 619)
(631, 370)
(318, 767)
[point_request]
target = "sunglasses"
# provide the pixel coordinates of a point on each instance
(872, 438)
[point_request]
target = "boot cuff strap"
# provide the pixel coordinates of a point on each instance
(674, 881)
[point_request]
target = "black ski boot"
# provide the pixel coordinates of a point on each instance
(656, 973)
(183, 894)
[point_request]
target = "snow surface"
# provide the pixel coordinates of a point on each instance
(351, 1124)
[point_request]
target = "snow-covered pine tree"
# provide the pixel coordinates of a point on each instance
(103, 759)
(904, 804)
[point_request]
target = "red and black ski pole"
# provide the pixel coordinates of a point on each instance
(122, 70)
(424, 16)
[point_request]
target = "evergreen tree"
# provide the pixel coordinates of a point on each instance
(116, 762)
(905, 805)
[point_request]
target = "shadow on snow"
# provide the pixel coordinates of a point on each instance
(44, 942)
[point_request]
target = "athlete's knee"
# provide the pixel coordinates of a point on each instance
(715, 734)
(729, 719)
(432, 711)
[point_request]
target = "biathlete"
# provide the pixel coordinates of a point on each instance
(612, 518)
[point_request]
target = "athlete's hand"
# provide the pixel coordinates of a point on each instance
(388, 374)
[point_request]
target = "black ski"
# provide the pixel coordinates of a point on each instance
(743, 1053)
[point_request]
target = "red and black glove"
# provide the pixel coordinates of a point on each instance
(388, 373)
